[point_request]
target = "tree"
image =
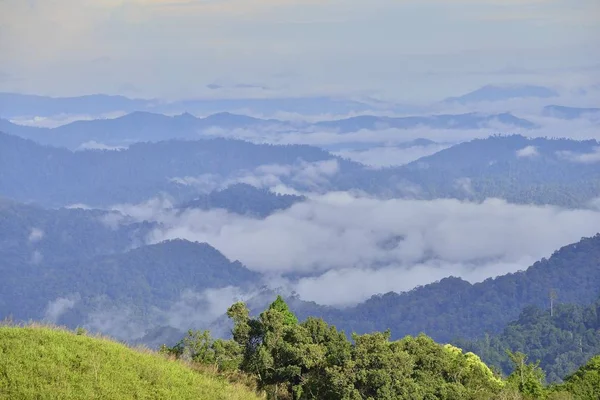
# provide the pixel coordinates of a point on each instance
(528, 378)
(553, 296)
(198, 346)
(585, 383)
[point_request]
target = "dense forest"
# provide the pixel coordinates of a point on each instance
(244, 199)
(561, 339)
(145, 279)
(313, 360)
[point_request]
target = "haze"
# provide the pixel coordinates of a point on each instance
(410, 51)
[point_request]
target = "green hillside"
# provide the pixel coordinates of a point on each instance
(46, 363)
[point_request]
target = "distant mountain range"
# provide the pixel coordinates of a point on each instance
(13, 105)
(491, 93)
(564, 112)
(521, 170)
(59, 177)
(149, 127)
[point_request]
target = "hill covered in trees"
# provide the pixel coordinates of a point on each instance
(561, 339)
(59, 177)
(145, 279)
(244, 199)
(521, 170)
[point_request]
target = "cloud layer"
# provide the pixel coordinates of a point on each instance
(364, 245)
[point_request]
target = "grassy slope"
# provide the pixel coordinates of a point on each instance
(45, 363)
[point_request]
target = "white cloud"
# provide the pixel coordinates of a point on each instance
(93, 145)
(58, 307)
(146, 210)
(192, 310)
(118, 321)
(80, 206)
(464, 184)
(411, 242)
(61, 119)
(528, 151)
(310, 175)
(195, 310)
(36, 235)
(348, 286)
(583, 158)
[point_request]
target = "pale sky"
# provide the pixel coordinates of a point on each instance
(403, 50)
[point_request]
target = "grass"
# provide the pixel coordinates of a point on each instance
(38, 362)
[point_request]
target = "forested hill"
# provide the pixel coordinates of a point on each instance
(561, 340)
(58, 177)
(519, 169)
(244, 199)
(145, 279)
(453, 308)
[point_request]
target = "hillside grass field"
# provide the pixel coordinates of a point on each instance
(38, 362)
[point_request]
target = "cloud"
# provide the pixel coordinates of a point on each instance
(196, 310)
(528, 151)
(349, 236)
(58, 307)
(143, 211)
(310, 175)
(464, 184)
(192, 310)
(389, 156)
(93, 145)
(80, 206)
(62, 119)
(349, 286)
(583, 158)
(118, 321)
(35, 235)
(379, 147)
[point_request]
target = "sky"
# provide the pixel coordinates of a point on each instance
(401, 50)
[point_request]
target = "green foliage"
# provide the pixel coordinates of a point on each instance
(198, 346)
(561, 342)
(44, 363)
(583, 384)
(528, 378)
(280, 306)
(312, 360)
